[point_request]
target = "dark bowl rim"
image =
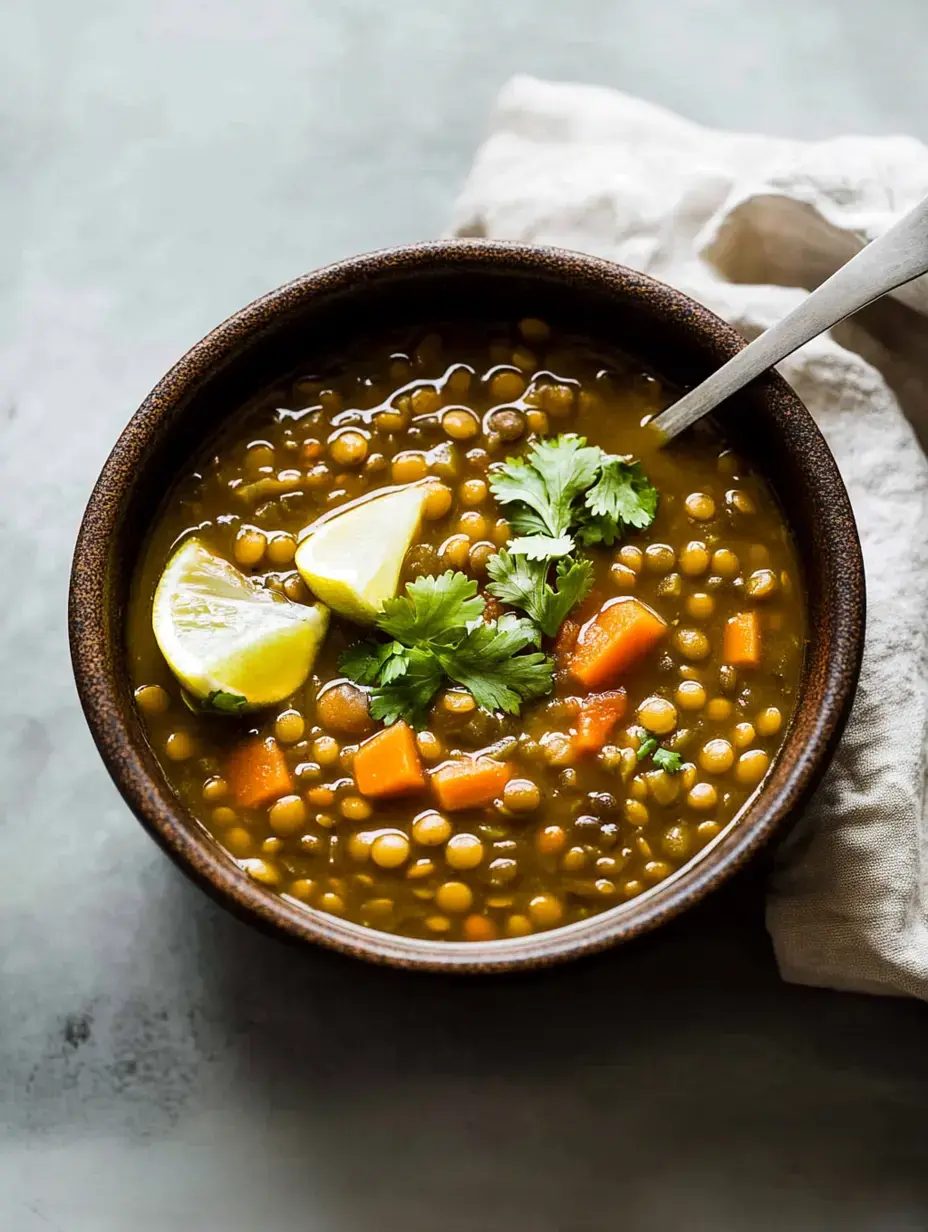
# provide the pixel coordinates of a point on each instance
(188, 844)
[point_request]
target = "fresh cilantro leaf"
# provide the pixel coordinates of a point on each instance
(664, 759)
(440, 622)
(668, 760)
(409, 695)
(526, 521)
(521, 679)
(518, 581)
(564, 491)
(396, 665)
(365, 661)
(488, 663)
(574, 581)
(594, 532)
(541, 547)
(547, 481)
(517, 482)
(523, 583)
(568, 466)
(622, 496)
(434, 609)
(224, 702)
(647, 747)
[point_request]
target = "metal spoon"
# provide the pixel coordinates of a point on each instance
(896, 257)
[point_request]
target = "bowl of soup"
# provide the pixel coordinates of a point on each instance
(401, 631)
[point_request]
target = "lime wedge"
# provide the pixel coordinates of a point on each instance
(351, 559)
(229, 642)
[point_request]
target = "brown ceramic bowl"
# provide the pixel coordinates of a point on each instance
(677, 338)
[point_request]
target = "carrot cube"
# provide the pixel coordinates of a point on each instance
(741, 641)
(257, 771)
(598, 715)
(620, 634)
(470, 783)
(388, 764)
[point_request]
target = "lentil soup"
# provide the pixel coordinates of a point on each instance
(488, 675)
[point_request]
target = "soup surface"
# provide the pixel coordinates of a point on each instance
(641, 624)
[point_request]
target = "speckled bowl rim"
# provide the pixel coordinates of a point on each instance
(107, 704)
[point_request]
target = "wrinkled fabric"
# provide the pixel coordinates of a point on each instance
(747, 224)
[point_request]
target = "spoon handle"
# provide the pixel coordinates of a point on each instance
(896, 257)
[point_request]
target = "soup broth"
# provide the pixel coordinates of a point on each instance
(670, 683)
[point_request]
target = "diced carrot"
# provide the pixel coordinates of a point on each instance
(471, 782)
(741, 643)
(623, 632)
(598, 715)
(257, 771)
(388, 764)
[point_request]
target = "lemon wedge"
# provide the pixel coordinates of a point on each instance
(351, 559)
(232, 644)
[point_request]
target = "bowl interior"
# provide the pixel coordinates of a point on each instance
(318, 317)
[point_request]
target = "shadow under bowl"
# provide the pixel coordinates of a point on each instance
(318, 314)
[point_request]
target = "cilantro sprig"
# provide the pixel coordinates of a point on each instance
(621, 497)
(523, 582)
(664, 759)
(544, 485)
(565, 494)
(438, 635)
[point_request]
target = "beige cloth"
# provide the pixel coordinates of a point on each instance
(741, 223)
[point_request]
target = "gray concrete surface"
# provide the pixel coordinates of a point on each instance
(161, 162)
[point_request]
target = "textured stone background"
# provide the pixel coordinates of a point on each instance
(162, 162)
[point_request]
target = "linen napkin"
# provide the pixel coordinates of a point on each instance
(747, 224)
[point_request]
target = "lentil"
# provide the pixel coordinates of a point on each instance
(289, 727)
(464, 851)
(249, 546)
(700, 605)
(460, 425)
(438, 502)
(454, 896)
(152, 699)
(769, 721)
(518, 925)
(658, 715)
(702, 797)
(409, 467)
(262, 871)
(287, 815)
(431, 829)
(214, 789)
(700, 506)
(390, 850)
(507, 386)
(717, 757)
(545, 911)
(690, 695)
(179, 746)
(751, 767)
(521, 796)
(742, 735)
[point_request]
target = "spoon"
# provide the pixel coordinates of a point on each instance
(896, 257)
